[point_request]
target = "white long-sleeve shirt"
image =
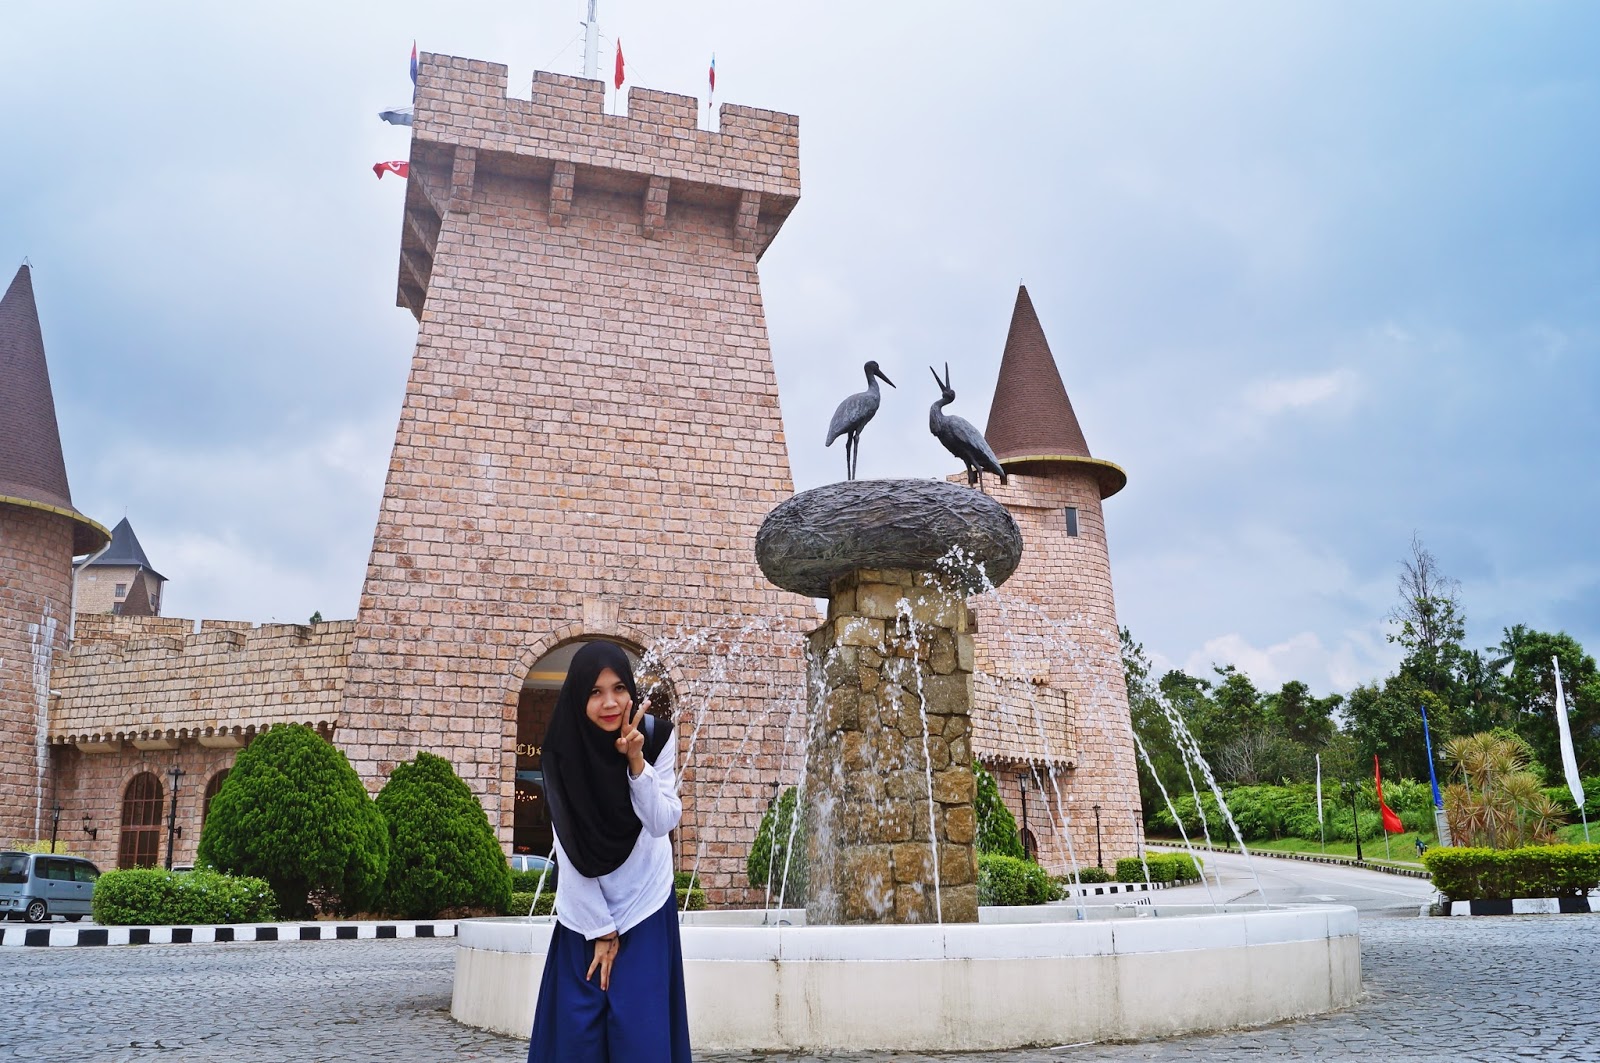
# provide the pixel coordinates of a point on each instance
(635, 891)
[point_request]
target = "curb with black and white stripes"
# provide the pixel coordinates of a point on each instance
(1108, 889)
(1527, 906)
(12, 936)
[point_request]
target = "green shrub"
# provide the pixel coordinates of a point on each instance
(154, 897)
(688, 901)
(528, 881)
(1164, 867)
(1130, 869)
(997, 828)
(1008, 880)
(1469, 874)
(294, 812)
(1090, 874)
(36, 846)
(443, 855)
(769, 852)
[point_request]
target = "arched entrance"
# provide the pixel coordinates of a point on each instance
(531, 831)
(140, 843)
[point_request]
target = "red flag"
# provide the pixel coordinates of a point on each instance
(1391, 822)
(398, 168)
(618, 78)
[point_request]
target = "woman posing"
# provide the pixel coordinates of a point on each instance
(613, 978)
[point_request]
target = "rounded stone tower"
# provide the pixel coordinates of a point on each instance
(1055, 726)
(40, 533)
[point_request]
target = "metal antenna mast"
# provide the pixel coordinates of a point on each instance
(591, 44)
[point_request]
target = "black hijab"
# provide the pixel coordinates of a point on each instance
(585, 778)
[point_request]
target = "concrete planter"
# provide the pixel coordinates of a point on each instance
(1019, 977)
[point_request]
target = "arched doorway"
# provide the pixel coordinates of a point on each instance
(211, 792)
(140, 843)
(531, 831)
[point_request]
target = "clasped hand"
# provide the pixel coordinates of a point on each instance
(605, 954)
(630, 743)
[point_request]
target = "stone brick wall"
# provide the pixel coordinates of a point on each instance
(156, 678)
(590, 437)
(35, 596)
(1054, 626)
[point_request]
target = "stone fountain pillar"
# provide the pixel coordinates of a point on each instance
(888, 789)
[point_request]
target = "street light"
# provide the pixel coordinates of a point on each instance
(174, 773)
(1099, 854)
(1355, 817)
(55, 824)
(1029, 846)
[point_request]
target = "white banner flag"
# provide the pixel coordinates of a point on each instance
(1319, 787)
(1569, 761)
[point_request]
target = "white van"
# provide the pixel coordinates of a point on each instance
(39, 886)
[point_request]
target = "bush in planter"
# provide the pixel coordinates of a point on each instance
(294, 812)
(770, 852)
(443, 855)
(153, 897)
(1007, 880)
(1088, 875)
(528, 881)
(1467, 874)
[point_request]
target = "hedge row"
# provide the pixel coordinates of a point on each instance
(1164, 867)
(1007, 880)
(154, 897)
(1465, 874)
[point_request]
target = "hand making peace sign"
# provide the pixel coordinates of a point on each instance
(630, 742)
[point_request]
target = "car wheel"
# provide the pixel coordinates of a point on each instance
(37, 912)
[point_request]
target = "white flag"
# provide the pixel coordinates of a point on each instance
(1319, 787)
(1569, 762)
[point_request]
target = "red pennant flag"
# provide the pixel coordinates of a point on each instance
(618, 78)
(1391, 822)
(398, 168)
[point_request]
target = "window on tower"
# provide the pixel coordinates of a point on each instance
(122, 589)
(1072, 521)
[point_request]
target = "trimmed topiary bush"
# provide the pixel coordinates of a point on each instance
(154, 897)
(443, 855)
(528, 881)
(1008, 880)
(1470, 874)
(997, 827)
(294, 812)
(1089, 875)
(769, 853)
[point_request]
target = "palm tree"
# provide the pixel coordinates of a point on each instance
(1497, 802)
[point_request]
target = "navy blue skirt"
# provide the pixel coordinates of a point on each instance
(642, 1018)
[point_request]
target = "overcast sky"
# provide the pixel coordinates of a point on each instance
(1318, 276)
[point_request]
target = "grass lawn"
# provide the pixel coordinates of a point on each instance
(1402, 847)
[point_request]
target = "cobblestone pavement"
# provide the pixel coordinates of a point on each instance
(1437, 989)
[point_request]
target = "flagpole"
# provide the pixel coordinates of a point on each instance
(1569, 761)
(591, 44)
(1322, 828)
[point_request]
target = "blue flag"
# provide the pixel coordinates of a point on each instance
(1438, 802)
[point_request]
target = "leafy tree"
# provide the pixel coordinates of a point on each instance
(1306, 720)
(997, 828)
(1150, 723)
(1530, 690)
(1428, 621)
(293, 812)
(443, 855)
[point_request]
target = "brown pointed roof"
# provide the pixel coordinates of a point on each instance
(1031, 419)
(32, 472)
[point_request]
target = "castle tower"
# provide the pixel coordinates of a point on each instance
(120, 580)
(1059, 650)
(40, 533)
(589, 441)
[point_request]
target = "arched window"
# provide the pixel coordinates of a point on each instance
(141, 822)
(211, 791)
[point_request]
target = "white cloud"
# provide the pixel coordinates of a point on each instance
(1284, 395)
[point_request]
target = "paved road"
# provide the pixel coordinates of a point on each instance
(1437, 989)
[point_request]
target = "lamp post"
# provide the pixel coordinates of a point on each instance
(1025, 834)
(1355, 817)
(1099, 854)
(174, 773)
(55, 824)
(92, 832)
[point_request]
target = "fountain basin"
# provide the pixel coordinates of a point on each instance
(1019, 977)
(817, 536)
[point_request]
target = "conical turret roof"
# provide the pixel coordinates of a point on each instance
(125, 550)
(1031, 419)
(32, 472)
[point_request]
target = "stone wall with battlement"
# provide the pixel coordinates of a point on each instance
(589, 441)
(159, 680)
(1053, 627)
(35, 597)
